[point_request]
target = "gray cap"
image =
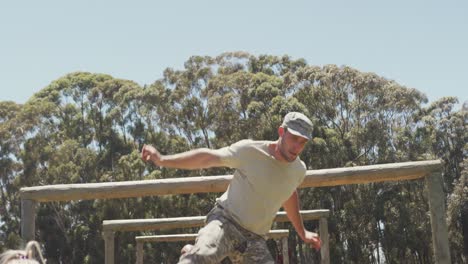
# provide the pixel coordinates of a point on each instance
(298, 124)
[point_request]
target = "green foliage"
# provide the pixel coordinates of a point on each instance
(458, 214)
(87, 127)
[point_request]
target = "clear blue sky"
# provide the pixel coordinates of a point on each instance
(420, 44)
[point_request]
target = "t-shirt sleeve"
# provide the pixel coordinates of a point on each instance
(231, 155)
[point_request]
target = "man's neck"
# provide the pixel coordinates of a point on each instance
(273, 149)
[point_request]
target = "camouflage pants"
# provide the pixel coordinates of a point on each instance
(222, 237)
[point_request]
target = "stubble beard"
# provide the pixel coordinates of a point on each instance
(284, 154)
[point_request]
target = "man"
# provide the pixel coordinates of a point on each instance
(266, 178)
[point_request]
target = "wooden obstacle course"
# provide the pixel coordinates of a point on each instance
(431, 170)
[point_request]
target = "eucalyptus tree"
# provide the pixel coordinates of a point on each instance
(10, 145)
(361, 119)
(457, 215)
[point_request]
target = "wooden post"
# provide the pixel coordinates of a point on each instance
(139, 252)
(440, 243)
(325, 249)
(285, 250)
(109, 246)
(28, 220)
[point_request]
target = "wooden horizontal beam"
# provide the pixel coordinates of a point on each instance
(372, 173)
(193, 221)
(273, 234)
(152, 224)
(208, 184)
(166, 238)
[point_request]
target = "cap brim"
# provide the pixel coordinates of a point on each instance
(297, 133)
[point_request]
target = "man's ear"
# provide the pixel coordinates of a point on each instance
(281, 131)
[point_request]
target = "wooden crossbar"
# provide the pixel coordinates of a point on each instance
(207, 184)
(187, 222)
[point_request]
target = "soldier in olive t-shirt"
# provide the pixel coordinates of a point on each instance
(266, 177)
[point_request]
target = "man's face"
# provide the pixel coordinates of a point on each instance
(291, 145)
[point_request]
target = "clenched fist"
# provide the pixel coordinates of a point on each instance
(150, 153)
(313, 239)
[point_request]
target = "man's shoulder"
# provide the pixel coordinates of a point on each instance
(241, 151)
(302, 163)
(299, 166)
(249, 146)
(250, 143)
(304, 166)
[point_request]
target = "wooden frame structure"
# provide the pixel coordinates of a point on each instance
(430, 170)
(277, 234)
(109, 228)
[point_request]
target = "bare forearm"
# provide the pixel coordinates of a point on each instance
(291, 206)
(190, 160)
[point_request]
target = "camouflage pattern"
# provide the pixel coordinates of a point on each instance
(222, 237)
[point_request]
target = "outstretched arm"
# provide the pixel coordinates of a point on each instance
(191, 160)
(291, 206)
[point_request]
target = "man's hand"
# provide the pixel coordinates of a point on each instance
(150, 153)
(313, 239)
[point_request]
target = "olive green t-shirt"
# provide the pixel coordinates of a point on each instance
(260, 185)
